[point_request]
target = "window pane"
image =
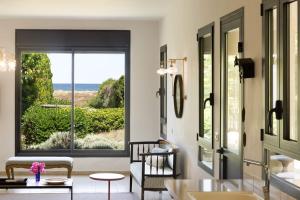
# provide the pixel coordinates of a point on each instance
(273, 68)
(233, 97)
(206, 157)
(99, 101)
(207, 87)
(46, 100)
(293, 65)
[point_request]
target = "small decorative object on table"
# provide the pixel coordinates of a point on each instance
(37, 168)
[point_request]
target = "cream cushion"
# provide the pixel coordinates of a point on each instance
(47, 160)
(157, 161)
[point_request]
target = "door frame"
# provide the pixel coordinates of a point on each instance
(229, 22)
(202, 143)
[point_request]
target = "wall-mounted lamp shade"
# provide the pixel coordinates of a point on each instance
(161, 71)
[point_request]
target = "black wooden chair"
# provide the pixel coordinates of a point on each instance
(151, 176)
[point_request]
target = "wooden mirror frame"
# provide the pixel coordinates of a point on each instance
(178, 110)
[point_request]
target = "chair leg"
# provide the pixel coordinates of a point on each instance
(142, 194)
(130, 183)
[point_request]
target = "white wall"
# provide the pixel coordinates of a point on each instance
(144, 83)
(178, 30)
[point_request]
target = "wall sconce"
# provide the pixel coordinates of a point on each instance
(172, 69)
(7, 61)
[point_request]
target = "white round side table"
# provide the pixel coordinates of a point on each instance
(107, 177)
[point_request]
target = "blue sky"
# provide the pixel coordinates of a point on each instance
(89, 68)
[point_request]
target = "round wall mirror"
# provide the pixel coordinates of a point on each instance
(178, 96)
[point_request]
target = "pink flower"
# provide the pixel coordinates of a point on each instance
(37, 167)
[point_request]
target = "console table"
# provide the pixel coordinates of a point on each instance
(32, 184)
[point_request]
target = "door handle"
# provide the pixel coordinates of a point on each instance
(278, 110)
(210, 99)
(159, 92)
(220, 151)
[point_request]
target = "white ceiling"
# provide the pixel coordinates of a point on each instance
(108, 9)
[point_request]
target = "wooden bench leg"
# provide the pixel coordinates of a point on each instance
(69, 172)
(7, 169)
(12, 173)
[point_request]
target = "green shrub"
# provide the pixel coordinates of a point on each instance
(110, 94)
(61, 140)
(57, 101)
(92, 141)
(58, 140)
(39, 123)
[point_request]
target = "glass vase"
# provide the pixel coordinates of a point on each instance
(38, 177)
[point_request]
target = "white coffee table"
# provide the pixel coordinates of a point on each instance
(107, 177)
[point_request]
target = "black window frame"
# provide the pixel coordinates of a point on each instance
(280, 142)
(269, 5)
(104, 41)
(229, 22)
(202, 143)
(163, 91)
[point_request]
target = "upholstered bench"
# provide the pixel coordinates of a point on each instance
(50, 162)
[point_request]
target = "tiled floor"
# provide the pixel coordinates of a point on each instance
(82, 184)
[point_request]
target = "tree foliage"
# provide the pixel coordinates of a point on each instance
(36, 80)
(110, 94)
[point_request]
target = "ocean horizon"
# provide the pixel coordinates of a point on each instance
(78, 87)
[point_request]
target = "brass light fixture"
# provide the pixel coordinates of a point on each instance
(172, 70)
(7, 61)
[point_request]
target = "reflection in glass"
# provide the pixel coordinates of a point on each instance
(99, 101)
(206, 157)
(233, 96)
(207, 85)
(273, 68)
(46, 101)
(285, 167)
(293, 66)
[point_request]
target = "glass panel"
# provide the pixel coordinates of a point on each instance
(206, 157)
(99, 101)
(163, 96)
(207, 87)
(273, 68)
(46, 101)
(285, 168)
(293, 68)
(233, 96)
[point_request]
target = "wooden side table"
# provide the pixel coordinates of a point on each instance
(107, 177)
